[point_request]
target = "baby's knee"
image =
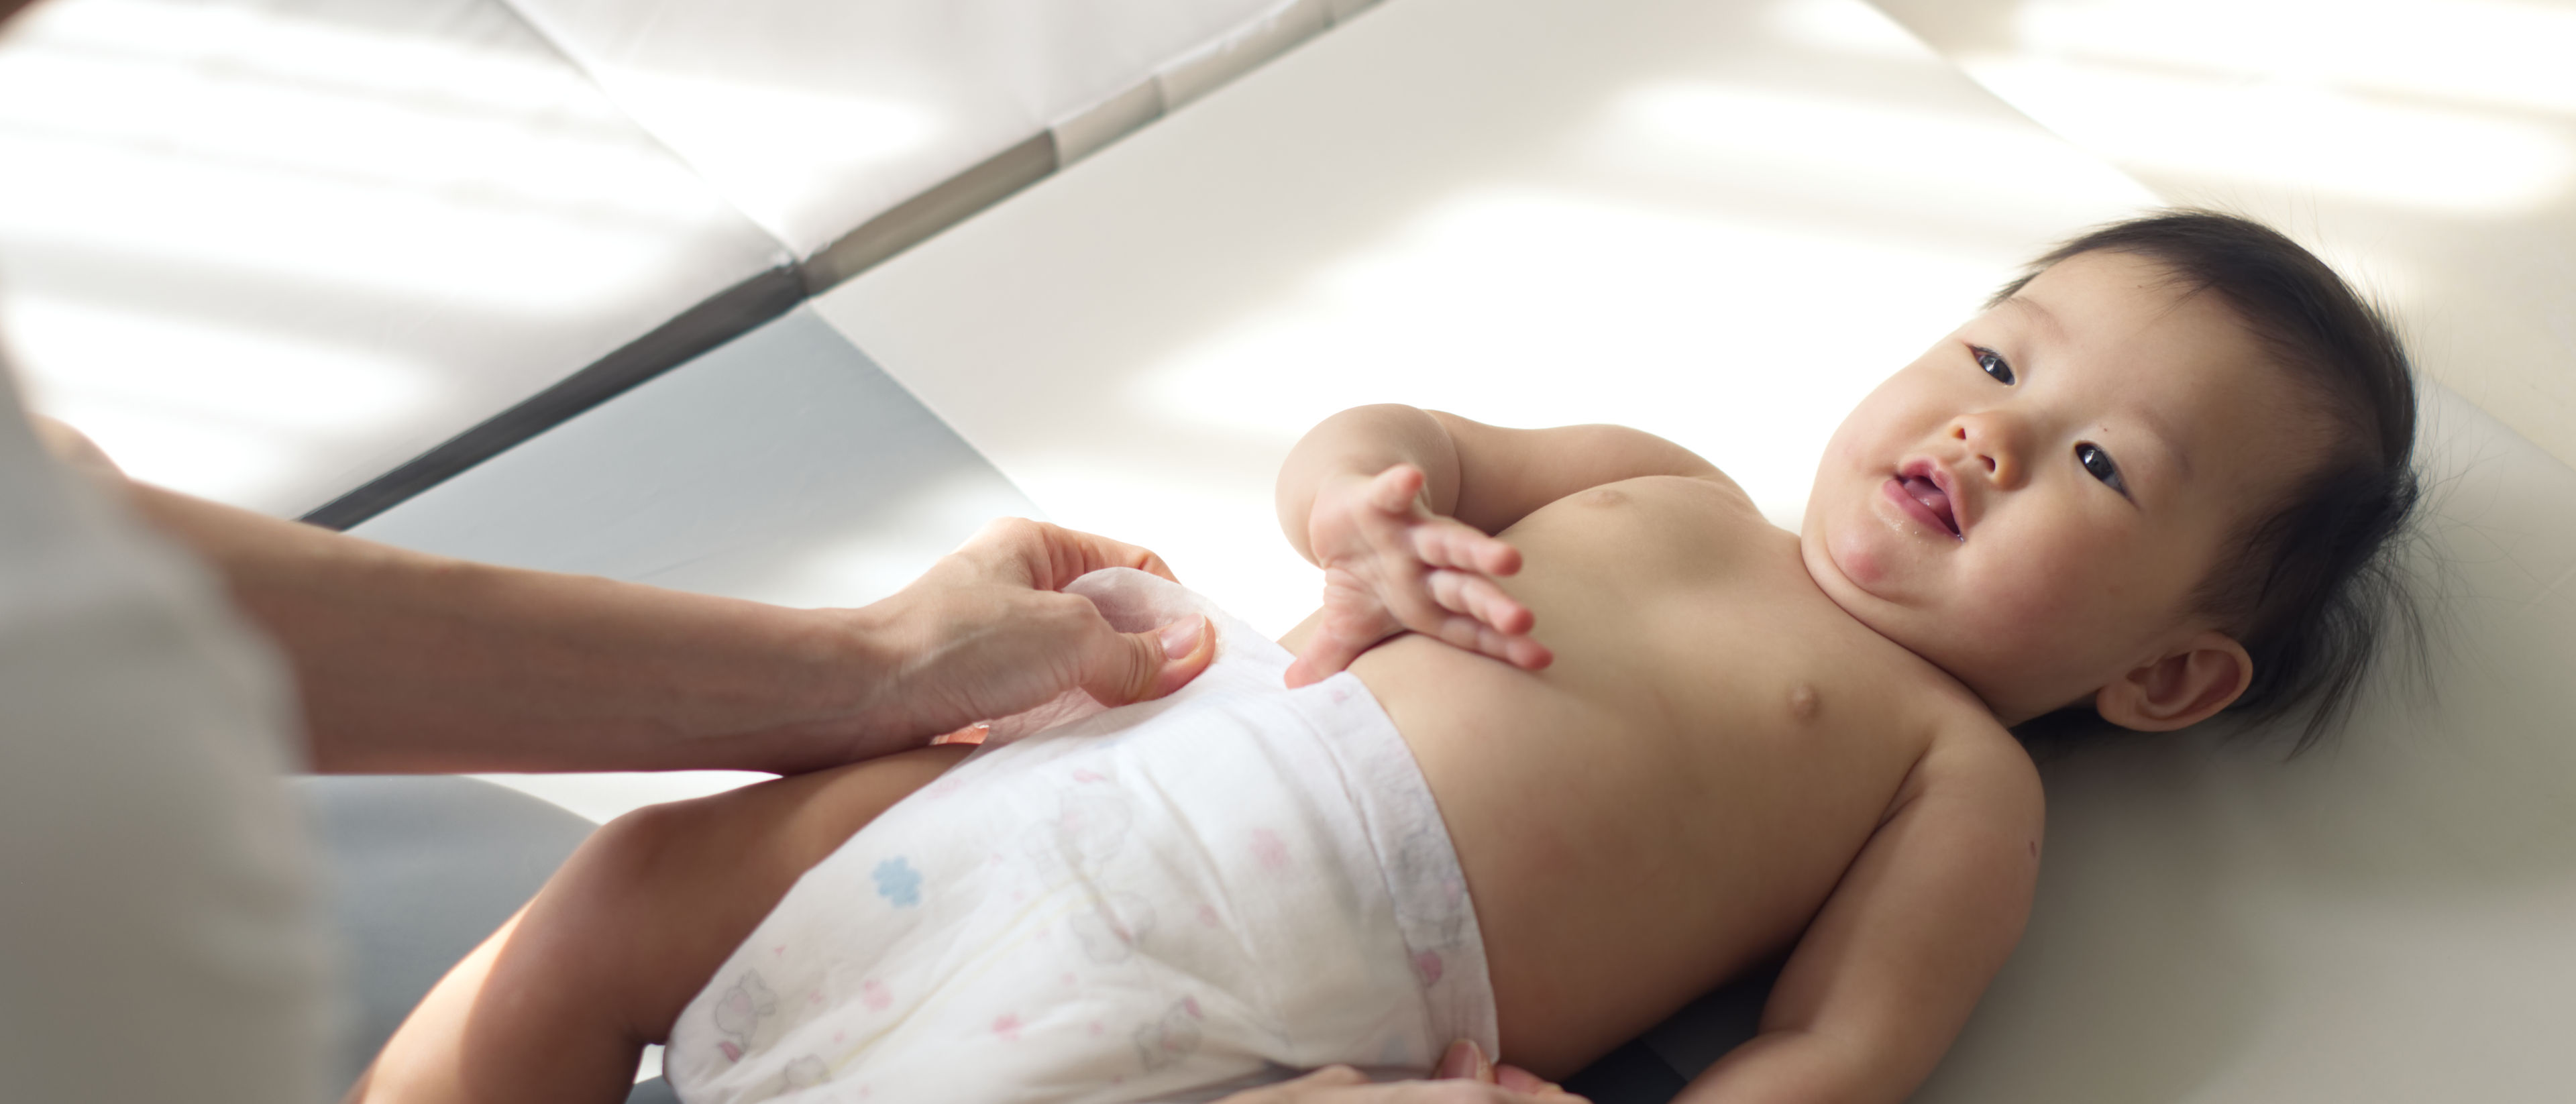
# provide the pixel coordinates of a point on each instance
(644, 846)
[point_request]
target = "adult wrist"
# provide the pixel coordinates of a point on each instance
(859, 661)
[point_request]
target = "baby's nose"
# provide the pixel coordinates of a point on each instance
(1994, 441)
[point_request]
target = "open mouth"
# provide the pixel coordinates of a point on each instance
(1926, 501)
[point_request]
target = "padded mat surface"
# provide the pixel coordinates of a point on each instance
(266, 251)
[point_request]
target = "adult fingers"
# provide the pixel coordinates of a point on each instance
(1119, 668)
(1344, 1085)
(1523, 1081)
(1336, 1084)
(1022, 552)
(1464, 1059)
(1083, 553)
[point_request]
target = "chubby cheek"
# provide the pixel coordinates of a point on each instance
(2053, 605)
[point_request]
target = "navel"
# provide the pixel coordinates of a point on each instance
(1802, 702)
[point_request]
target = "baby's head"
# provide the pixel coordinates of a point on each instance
(2157, 478)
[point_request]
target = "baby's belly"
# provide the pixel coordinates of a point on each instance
(1623, 855)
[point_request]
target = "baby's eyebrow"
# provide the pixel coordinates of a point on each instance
(2040, 314)
(2169, 443)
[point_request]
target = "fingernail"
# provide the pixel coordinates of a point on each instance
(1460, 1060)
(1180, 638)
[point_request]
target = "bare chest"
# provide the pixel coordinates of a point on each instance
(1673, 798)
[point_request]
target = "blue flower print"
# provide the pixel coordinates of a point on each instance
(898, 882)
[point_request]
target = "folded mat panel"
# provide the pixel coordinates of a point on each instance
(267, 251)
(851, 130)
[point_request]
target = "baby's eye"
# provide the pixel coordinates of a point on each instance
(1993, 363)
(2099, 463)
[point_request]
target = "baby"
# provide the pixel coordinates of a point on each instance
(1576, 737)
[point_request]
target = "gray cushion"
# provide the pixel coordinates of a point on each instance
(418, 870)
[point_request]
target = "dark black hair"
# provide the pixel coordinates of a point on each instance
(2316, 582)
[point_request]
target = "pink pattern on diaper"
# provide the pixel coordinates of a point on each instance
(1208, 916)
(732, 1052)
(1269, 849)
(874, 995)
(1088, 775)
(1008, 1027)
(1427, 965)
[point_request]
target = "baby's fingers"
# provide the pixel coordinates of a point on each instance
(1476, 636)
(1478, 597)
(1456, 544)
(1394, 489)
(1325, 655)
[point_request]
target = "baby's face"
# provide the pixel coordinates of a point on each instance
(2032, 503)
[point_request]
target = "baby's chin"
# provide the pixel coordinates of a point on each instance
(1854, 579)
(1946, 642)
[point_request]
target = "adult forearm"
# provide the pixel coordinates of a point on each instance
(411, 662)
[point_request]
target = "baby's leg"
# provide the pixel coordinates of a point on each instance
(559, 1003)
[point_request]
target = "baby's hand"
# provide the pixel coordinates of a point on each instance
(1391, 566)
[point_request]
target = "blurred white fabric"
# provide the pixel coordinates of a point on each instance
(158, 935)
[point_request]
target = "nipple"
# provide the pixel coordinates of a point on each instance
(1802, 702)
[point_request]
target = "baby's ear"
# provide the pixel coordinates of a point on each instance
(2180, 688)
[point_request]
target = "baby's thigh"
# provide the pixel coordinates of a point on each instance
(657, 899)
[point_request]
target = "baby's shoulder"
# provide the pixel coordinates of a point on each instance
(1973, 762)
(1710, 496)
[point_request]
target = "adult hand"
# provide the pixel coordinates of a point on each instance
(1464, 1077)
(1391, 565)
(987, 633)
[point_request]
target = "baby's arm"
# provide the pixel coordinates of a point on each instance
(1888, 972)
(1486, 476)
(1399, 507)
